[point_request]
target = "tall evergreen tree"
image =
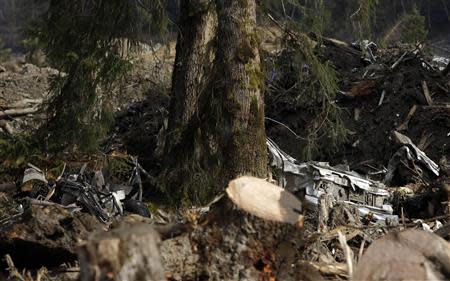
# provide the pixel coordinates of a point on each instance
(83, 40)
(225, 136)
(197, 25)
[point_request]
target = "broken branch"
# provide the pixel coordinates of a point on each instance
(426, 93)
(6, 127)
(347, 252)
(404, 125)
(394, 66)
(330, 269)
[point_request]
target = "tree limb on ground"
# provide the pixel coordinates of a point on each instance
(25, 103)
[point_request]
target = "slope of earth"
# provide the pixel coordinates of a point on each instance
(20, 81)
(375, 100)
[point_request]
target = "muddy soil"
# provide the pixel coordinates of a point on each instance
(19, 80)
(369, 124)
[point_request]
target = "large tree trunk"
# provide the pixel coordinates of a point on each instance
(196, 25)
(240, 84)
(227, 136)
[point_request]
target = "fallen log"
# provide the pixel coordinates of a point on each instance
(327, 41)
(25, 103)
(17, 112)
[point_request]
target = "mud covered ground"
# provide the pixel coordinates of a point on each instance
(20, 81)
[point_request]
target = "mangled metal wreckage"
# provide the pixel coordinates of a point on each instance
(316, 179)
(89, 192)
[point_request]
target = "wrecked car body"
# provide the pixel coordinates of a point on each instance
(316, 179)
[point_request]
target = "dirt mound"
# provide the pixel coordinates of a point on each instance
(428, 125)
(376, 99)
(137, 129)
(20, 81)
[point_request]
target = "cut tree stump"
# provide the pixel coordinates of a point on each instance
(129, 252)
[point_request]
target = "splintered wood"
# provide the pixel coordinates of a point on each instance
(405, 123)
(265, 200)
(426, 93)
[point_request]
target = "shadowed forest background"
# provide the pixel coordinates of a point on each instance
(16, 15)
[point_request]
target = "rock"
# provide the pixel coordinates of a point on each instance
(407, 255)
(128, 252)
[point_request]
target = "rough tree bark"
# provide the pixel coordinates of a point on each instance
(227, 136)
(240, 81)
(196, 25)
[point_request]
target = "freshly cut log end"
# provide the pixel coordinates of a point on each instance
(265, 200)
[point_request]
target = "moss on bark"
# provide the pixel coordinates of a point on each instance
(227, 137)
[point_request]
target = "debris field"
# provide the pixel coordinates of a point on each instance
(377, 208)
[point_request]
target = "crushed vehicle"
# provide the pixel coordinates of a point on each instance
(88, 192)
(315, 179)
